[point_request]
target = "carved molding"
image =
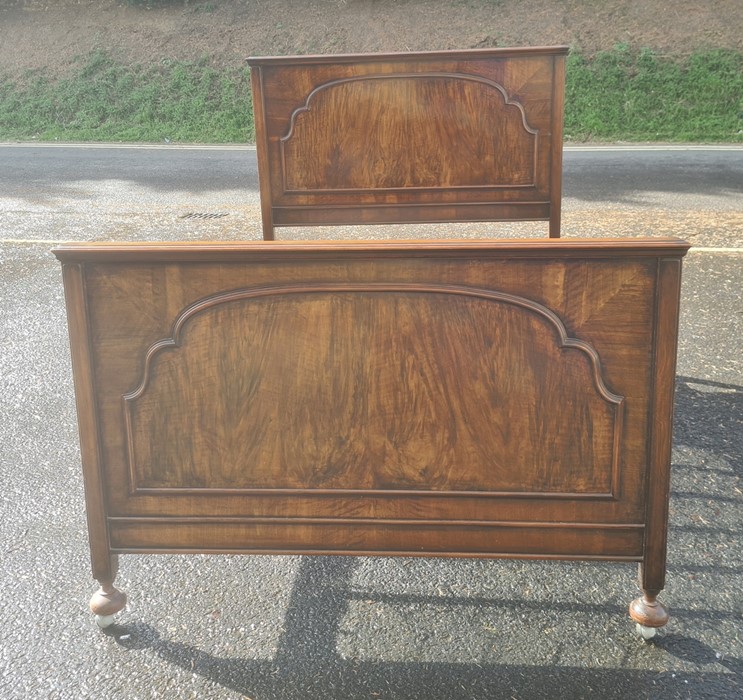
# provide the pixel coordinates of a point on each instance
(397, 76)
(202, 305)
(307, 106)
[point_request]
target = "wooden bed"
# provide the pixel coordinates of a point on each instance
(450, 398)
(446, 136)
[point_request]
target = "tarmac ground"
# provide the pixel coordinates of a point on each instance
(276, 628)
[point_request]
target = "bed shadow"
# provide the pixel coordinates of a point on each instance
(308, 665)
(709, 417)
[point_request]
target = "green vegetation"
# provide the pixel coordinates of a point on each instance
(639, 96)
(108, 101)
(618, 95)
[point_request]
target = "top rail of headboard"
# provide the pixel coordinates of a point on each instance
(410, 137)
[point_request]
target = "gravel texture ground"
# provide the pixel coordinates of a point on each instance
(269, 628)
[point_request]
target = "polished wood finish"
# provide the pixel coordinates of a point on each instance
(417, 137)
(449, 398)
(648, 611)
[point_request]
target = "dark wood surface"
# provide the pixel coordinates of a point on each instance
(499, 398)
(420, 137)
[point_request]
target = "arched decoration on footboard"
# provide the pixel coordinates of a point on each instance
(373, 389)
(408, 131)
(376, 398)
(449, 136)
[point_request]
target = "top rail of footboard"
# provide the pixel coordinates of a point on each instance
(198, 251)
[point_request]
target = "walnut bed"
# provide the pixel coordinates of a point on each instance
(475, 399)
(450, 398)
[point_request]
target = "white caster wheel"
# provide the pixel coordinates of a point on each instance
(104, 621)
(647, 633)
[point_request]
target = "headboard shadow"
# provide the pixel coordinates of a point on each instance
(411, 137)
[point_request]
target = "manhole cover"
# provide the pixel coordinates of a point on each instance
(204, 215)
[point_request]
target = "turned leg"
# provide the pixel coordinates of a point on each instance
(649, 614)
(107, 600)
(647, 611)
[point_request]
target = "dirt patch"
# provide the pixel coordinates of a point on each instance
(48, 35)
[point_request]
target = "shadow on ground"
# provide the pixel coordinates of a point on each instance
(307, 663)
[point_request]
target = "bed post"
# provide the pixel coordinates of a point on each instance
(558, 106)
(647, 611)
(108, 600)
(264, 171)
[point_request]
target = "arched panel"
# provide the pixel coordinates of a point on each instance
(424, 130)
(373, 388)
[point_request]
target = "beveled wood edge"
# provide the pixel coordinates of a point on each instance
(418, 522)
(422, 189)
(103, 565)
(378, 553)
(208, 251)
(408, 213)
(660, 426)
(186, 491)
(458, 54)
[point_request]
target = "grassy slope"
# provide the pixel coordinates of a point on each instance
(109, 101)
(630, 95)
(619, 95)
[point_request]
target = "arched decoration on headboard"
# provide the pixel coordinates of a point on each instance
(408, 130)
(380, 398)
(446, 136)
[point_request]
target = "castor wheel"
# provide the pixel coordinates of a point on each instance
(649, 614)
(105, 603)
(104, 621)
(647, 633)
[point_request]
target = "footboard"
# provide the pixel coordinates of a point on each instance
(482, 399)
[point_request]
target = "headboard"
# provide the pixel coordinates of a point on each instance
(411, 137)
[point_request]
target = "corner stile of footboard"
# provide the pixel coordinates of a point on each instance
(558, 107)
(653, 567)
(104, 564)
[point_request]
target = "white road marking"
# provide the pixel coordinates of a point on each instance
(702, 249)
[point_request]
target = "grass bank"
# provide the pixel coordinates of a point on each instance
(108, 101)
(622, 94)
(638, 96)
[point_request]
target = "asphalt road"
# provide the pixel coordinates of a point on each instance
(280, 628)
(103, 193)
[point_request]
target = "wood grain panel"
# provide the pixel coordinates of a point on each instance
(517, 539)
(373, 389)
(430, 213)
(395, 138)
(386, 132)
